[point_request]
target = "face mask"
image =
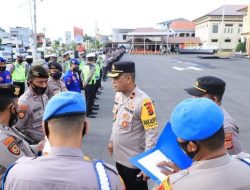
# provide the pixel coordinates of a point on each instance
(13, 118)
(3, 68)
(76, 69)
(56, 75)
(184, 145)
(38, 90)
(20, 61)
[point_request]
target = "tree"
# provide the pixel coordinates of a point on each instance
(241, 47)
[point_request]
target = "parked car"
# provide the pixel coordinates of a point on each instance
(7, 56)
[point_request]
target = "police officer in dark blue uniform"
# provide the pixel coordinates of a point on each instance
(71, 77)
(5, 76)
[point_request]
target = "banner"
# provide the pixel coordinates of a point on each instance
(78, 35)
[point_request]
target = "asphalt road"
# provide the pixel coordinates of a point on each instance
(163, 78)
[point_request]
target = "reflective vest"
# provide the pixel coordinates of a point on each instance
(82, 63)
(97, 71)
(86, 73)
(18, 74)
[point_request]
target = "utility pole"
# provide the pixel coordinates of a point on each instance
(34, 34)
(222, 27)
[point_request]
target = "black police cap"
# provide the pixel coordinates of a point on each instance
(55, 65)
(121, 67)
(9, 91)
(207, 85)
(38, 71)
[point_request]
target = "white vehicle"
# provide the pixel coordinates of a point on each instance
(6, 55)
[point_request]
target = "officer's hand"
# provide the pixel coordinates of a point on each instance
(110, 148)
(143, 176)
(40, 145)
(168, 168)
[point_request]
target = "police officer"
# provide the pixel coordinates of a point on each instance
(17, 71)
(53, 58)
(64, 167)
(213, 88)
(135, 125)
(55, 84)
(12, 145)
(29, 61)
(5, 76)
(89, 71)
(66, 61)
(71, 77)
(32, 104)
(198, 125)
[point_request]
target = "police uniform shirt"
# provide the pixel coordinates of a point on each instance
(5, 77)
(135, 126)
(72, 81)
(223, 173)
(55, 87)
(30, 113)
(232, 141)
(12, 147)
(64, 168)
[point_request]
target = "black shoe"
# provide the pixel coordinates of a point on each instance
(96, 98)
(98, 93)
(96, 105)
(91, 116)
(93, 113)
(101, 88)
(95, 108)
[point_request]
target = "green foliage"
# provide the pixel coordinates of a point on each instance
(241, 47)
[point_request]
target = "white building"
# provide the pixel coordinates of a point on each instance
(119, 35)
(20, 36)
(221, 28)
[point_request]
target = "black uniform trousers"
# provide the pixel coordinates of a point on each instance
(129, 176)
(90, 97)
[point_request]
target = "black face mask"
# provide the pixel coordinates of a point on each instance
(38, 90)
(3, 68)
(20, 61)
(76, 69)
(184, 145)
(13, 118)
(56, 75)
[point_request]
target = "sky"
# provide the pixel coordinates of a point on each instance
(58, 16)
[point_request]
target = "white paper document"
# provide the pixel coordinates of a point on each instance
(150, 163)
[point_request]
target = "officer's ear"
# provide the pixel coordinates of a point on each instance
(85, 128)
(192, 146)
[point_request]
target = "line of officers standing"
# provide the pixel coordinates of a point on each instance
(35, 84)
(46, 78)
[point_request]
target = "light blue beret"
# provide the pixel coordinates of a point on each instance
(65, 104)
(196, 119)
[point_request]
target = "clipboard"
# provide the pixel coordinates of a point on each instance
(166, 149)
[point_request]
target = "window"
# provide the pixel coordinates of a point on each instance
(124, 37)
(228, 25)
(240, 25)
(214, 40)
(239, 40)
(215, 28)
(227, 40)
